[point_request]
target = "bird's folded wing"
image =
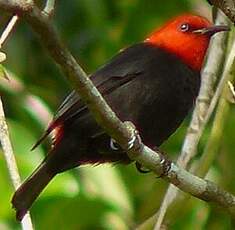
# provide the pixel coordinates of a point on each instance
(121, 69)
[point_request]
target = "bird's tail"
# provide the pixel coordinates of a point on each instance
(27, 193)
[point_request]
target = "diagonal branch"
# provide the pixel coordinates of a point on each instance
(121, 132)
(227, 6)
(8, 30)
(201, 112)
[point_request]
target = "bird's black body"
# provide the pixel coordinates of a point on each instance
(143, 84)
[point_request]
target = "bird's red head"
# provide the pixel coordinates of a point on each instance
(186, 36)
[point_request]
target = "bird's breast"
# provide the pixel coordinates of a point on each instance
(156, 101)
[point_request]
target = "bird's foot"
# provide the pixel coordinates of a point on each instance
(114, 145)
(135, 140)
(135, 143)
(165, 162)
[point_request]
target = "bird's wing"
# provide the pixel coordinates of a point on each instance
(121, 69)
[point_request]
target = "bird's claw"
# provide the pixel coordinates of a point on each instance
(131, 142)
(166, 163)
(113, 145)
(135, 137)
(135, 141)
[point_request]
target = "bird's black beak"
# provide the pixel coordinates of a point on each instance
(211, 30)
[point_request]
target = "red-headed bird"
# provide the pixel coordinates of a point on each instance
(153, 84)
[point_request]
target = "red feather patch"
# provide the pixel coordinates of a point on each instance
(57, 134)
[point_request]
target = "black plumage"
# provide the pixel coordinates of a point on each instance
(144, 84)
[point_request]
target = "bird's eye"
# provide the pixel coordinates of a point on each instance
(184, 27)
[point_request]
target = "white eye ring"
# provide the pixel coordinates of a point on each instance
(184, 27)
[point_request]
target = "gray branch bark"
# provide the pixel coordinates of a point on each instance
(202, 111)
(122, 132)
(227, 6)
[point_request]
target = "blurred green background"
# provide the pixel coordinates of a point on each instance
(108, 196)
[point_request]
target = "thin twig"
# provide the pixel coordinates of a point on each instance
(213, 143)
(5, 34)
(224, 79)
(11, 162)
(5, 139)
(206, 100)
(200, 115)
(231, 88)
(7, 149)
(8, 29)
(211, 149)
(209, 152)
(49, 8)
(121, 132)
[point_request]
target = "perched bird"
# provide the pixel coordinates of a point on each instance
(152, 84)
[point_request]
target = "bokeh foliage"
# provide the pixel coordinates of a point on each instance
(101, 197)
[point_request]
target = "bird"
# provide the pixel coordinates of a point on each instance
(153, 84)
